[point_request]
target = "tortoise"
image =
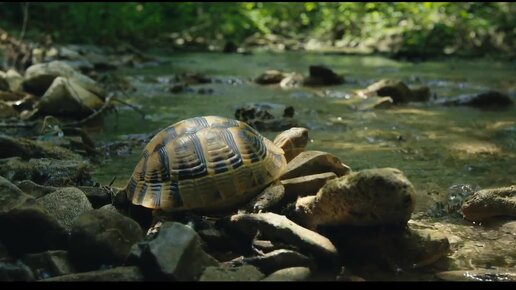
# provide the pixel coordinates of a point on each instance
(209, 164)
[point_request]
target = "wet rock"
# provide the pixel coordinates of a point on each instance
(66, 97)
(49, 264)
(479, 275)
(102, 237)
(389, 248)
(39, 77)
(267, 116)
(269, 200)
(314, 162)
(193, 78)
(34, 189)
(292, 80)
(129, 274)
(230, 47)
(97, 195)
(6, 111)
(14, 79)
(322, 76)
(46, 171)
(305, 185)
(488, 203)
(27, 226)
(66, 205)
(270, 77)
(276, 227)
(178, 88)
(4, 85)
(398, 91)
(275, 260)
(420, 94)
(26, 149)
(174, 254)
(375, 103)
(221, 273)
(17, 271)
(487, 100)
(289, 274)
(368, 197)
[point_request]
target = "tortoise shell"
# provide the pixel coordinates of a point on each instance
(204, 163)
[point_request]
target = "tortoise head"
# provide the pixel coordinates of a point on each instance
(293, 141)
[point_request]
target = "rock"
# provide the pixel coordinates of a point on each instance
(267, 116)
(488, 203)
(396, 89)
(275, 260)
(97, 195)
(4, 85)
(66, 205)
(479, 275)
(270, 77)
(289, 274)
(314, 162)
(24, 221)
(230, 47)
(305, 185)
(66, 97)
(14, 79)
(129, 274)
(26, 149)
(102, 237)
(421, 94)
(365, 198)
(293, 141)
(389, 248)
(11, 96)
(34, 189)
(6, 111)
(15, 272)
(46, 171)
(322, 76)
(484, 100)
(242, 273)
(276, 227)
(292, 80)
(39, 77)
(174, 254)
(375, 103)
(269, 200)
(49, 264)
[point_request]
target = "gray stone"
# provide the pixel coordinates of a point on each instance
(314, 162)
(14, 79)
(277, 227)
(129, 274)
(17, 271)
(102, 237)
(46, 171)
(97, 195)
(305, 185)
(488, 203)
(275, 260)
(49, 264)
(241, 273)
(66, 205)
(290, 274)
(31, 228)
(174, 254)
(369, 197)
(34, 189)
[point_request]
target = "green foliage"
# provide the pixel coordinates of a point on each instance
(434, 27)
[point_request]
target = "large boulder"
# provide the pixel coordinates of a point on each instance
(488, 203)
(365, 198)
(26, 225)
(102, 237)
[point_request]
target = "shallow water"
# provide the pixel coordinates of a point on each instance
(435, 146)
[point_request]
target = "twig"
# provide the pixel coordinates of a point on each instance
(131, 106)
(25, 19)
(104, 107)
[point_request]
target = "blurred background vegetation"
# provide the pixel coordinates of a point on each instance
(421, 28)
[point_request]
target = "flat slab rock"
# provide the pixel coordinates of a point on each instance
(130, 273)
(278, 227)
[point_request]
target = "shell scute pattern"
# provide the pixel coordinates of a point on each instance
(205, 163)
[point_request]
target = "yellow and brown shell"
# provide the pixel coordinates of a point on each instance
(204, 163)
